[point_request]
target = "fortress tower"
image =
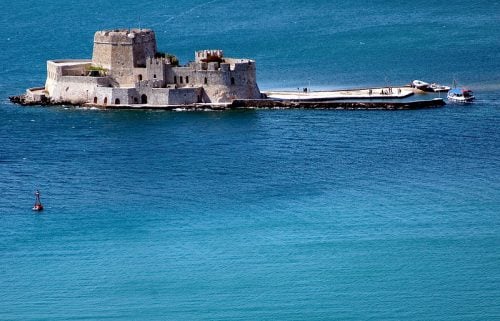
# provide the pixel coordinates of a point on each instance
(120, 51)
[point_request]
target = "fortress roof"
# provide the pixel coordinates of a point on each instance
(124, 32)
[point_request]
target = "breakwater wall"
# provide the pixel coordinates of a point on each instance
(261, 104)
(381, 105)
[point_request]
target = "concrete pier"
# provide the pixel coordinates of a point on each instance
(355, 94)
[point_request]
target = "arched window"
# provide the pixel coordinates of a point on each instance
(187, 79)
(232, 80)
(117, 101)
(105, 100)
(95, 100)
(175, 79)
(180, 79)
(144, 99)
(139, 77)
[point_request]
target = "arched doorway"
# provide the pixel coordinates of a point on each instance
(95, 100)
(117, 101)
(144, 99)
(105, 100)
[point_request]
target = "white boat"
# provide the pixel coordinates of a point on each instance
(460, 95)
(419, 84)
(439, 88)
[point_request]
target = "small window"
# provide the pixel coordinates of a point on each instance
(187, 79)
(175, 79)
(205, 81)
(139, 77)
(180, 79)
(154, 76)
(232, 80)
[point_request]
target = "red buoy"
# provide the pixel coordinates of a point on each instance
(38, 205)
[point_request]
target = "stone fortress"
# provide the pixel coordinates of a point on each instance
(126, 69)
(128, 72)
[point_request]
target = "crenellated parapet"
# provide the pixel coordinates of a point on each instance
(209, 55)
(124, 36)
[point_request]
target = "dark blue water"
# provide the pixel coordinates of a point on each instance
(256, 215)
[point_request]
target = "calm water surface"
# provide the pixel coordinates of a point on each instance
(256, 215)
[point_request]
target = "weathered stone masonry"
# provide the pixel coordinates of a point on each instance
(127, 69)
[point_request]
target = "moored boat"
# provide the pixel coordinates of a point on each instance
(439, 88)
(460, 95)
(419, 84)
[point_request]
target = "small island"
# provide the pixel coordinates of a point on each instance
(128, 72)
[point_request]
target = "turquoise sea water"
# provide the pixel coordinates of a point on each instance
(256, 215)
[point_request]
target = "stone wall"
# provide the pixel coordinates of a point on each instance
(35, 94)
(115, 96)
(62, 86)
(75, 89)
(185, 96)
(156, 71)
(222, 82)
